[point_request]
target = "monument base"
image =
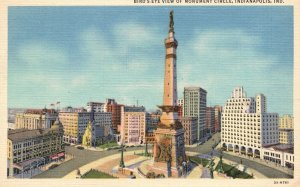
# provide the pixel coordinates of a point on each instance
(167, 171)
(169, 147)
(160, 168)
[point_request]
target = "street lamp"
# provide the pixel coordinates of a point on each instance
(221, 170)
(122, 165)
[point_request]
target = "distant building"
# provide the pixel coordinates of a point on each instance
(95, 106)
(180, 103)
(286, 122)
(26, 147)
(286, 136)
(35, 119)
(190, 127)
(72, 109)
(115, 109)
(210, 120)
(133, 125)
(75, 123)
(218, 117)
(150, 137)
(152, 120)
(195, 106)
(286, 129)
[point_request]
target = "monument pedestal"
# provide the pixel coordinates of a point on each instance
(169, 150)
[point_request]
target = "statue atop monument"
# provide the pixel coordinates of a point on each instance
(171, 24)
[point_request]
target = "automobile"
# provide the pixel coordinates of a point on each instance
(132, 177)
(200, 143)
(53, 166)
(80, 147)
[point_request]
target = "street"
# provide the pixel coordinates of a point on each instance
(81, 158)
(265, 170)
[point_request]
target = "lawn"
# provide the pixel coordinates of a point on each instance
(234, 172)
(229, 170)
(93, 174)
(198, 160)
(109, 144)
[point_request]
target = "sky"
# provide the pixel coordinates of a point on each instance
(80, 54)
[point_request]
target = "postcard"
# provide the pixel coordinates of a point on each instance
(183, 92)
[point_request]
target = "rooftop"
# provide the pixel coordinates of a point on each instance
(24, 134)
(281, 147)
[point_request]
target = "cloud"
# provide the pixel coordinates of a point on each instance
(41, 53)
(219, 60)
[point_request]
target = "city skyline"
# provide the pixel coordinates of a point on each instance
(78, 54)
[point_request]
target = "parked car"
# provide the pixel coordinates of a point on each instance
(80, 147)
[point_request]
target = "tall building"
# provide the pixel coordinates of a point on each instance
(195, 106)
(210, 119)
(190, 129)
(246, 125)
(133, 125)
(286, 122)
(286, 129)
(180, 104)
(218, 117)
(75, 123)
(115, 109)
(37, 146)
(95, 106)
(35, 119)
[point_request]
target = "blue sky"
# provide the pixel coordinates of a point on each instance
(78, 54)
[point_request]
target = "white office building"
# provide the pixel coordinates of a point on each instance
(246, 125)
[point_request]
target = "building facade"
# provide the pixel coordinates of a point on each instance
(180, 103)
(286, 136)
(286, 122)
(36, 119)
(210, 120)
(115, 109)
(246, 125)
(133, 125)
(75, 123)
(152, 120)
(95, 106)
(26, 147)
(195, 106)
(190, 129)
(218, 117)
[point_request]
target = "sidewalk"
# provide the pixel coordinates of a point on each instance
(196, 172)
(263, 162)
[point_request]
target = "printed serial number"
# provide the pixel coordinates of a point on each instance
(281, 182)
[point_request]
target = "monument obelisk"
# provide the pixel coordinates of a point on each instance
(169, 150)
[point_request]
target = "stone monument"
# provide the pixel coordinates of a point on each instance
(169, 151)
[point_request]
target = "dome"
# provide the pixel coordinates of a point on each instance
(57, 125)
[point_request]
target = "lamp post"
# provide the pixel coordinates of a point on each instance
(146, 149)
(211, 168)
(122, 165)
(221, 170)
